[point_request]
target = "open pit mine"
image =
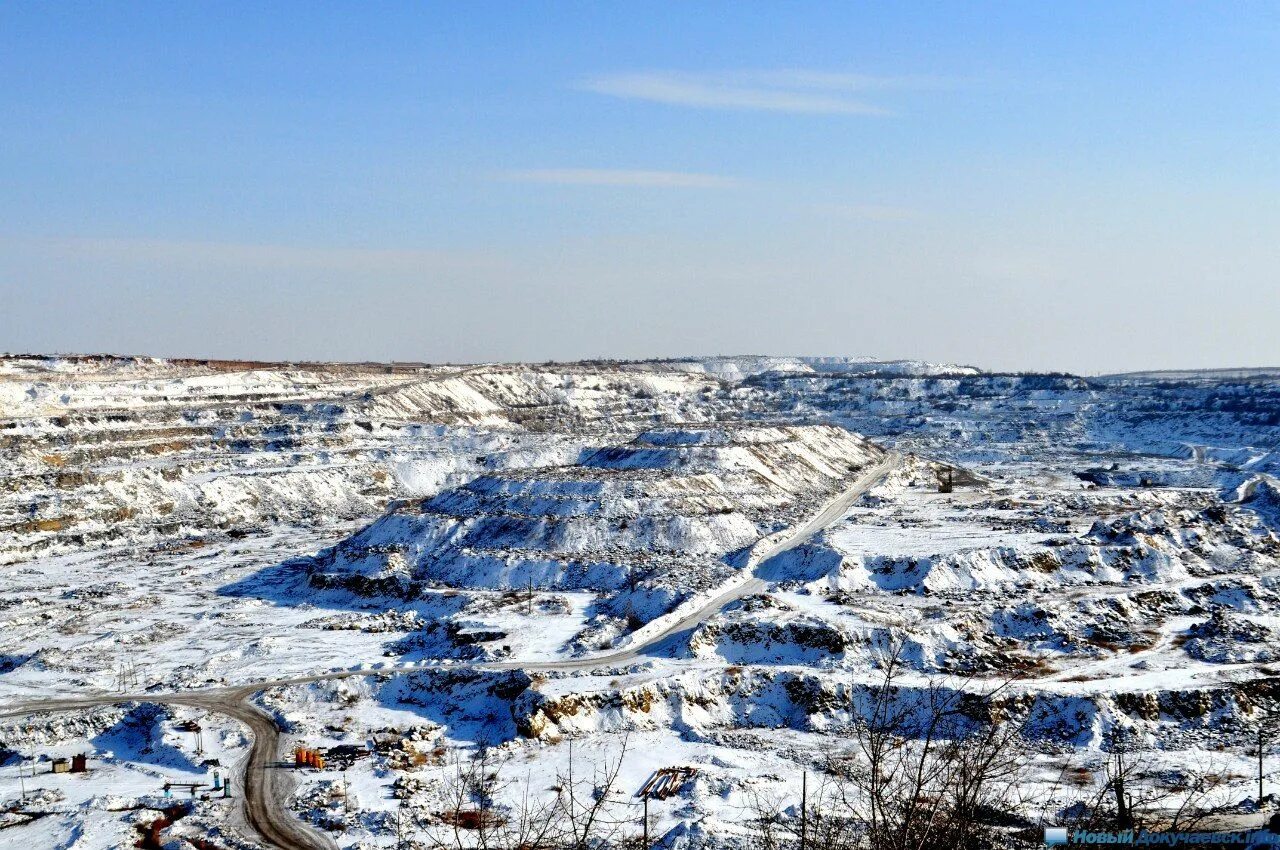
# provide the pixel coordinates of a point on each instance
(734, 602)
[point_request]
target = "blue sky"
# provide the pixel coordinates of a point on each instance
(1091, 187)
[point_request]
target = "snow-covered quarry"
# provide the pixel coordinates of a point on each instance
(715, 564)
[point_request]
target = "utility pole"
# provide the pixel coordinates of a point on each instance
(1122, 801)
(1260, 745)
(22, 776)
(529, 607)
(400, 824)
(645, 845)
(804, 809)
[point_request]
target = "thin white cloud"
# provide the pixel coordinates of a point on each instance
(618, 177)
(787, 90)
(869, 212)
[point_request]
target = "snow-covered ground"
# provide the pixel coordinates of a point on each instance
(1107, 559)
(134, 753)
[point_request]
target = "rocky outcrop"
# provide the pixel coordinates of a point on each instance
(1227, 638)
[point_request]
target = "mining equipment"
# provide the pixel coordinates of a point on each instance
(306, 757)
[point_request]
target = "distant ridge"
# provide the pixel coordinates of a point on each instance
(1233, 373)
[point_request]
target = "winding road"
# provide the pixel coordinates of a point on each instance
(266, 790)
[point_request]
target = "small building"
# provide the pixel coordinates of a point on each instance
(61, 766)
(80, 763)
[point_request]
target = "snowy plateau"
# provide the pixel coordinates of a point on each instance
(386, 605)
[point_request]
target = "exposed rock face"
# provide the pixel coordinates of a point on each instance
(1261, 494)
(115, 450)
(762, 630)
(1227, 638)
(761, 698)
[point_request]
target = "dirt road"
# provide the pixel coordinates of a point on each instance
(264, 788)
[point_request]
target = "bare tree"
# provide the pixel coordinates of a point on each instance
(591, 808)
(819, 820)
(925, 770)
(1133, 792)
(932, 765)
(481, 809)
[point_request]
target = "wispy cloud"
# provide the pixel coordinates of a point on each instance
(618, 177)
(869, 212)
(788, 90)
